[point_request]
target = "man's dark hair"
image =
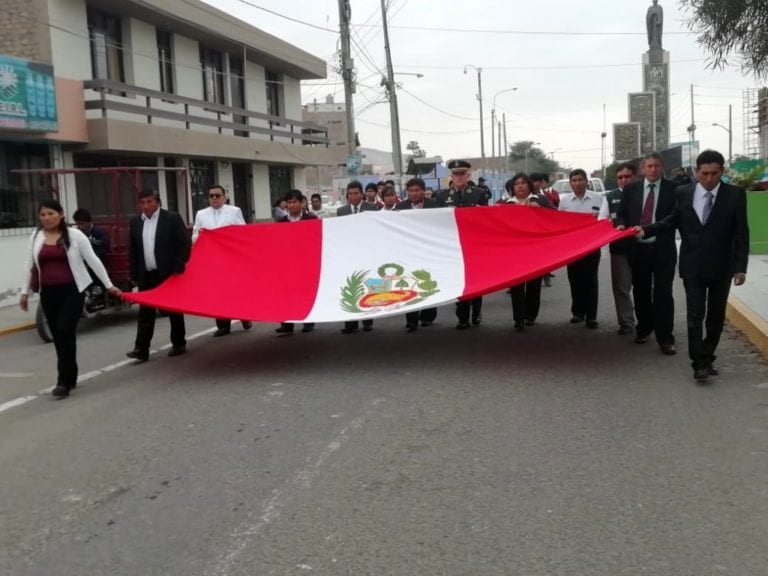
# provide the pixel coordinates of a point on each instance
(627, 166)
(294, 195)
(509, 186)
(82, 215)
(416, 182)
(355, 185)
(316, 195)
(710, 157)
(153, 193)
(380, 183)
(389, 183)
(654, 156)
(578, 172)
(369, 186)
(388, 191)
(217, 187)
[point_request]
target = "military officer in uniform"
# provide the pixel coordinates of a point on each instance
(462, 195)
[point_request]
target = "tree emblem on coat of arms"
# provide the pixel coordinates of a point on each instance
(390, 288)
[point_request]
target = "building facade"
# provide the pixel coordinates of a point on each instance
(331, 116)
(151, 83)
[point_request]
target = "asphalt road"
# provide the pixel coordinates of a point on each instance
(558, 451)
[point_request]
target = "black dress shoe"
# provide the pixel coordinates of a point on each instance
(308, 328)
(139, 355)
(577, 319)
(247, 325)
(367, 328)
(411, 327)
(177, 351)
(530, 322)
(462, 325)
(284, 330)
(519, 326)
(711, 370)
(60, 392)
(669, 350)
(592, 324)
(348, 330)
(624, 330)
(641, 338)
(426, 323)
(476, 320)
(700, 375)
(220, 332)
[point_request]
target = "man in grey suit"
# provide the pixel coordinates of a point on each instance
(355, 205)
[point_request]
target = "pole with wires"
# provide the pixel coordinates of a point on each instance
(348, 75)
(389, 82)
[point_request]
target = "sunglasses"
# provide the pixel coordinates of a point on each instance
(215, 195)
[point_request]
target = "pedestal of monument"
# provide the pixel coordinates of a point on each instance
(656, 80)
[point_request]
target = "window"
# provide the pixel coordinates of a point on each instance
(273, 93)
(237, 92)
(213, 75)
(106, 46)
(165, 60)
(21, 193)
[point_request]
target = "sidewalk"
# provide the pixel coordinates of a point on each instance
(13, 319)
(748, 304)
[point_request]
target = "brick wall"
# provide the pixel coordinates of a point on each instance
(24, 29)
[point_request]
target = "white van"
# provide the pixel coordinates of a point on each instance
(564, 186)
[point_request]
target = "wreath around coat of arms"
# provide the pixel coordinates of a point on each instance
(393, 288)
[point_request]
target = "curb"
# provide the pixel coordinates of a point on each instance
(16, 328)
(752, 325)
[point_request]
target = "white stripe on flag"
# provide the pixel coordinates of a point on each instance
(421, 247)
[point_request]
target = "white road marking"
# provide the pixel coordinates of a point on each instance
(271, 508)
(16, 402)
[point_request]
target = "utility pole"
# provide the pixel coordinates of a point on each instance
(692, 127)
(348, 74)
(493, 141)
(497, 161)
(397, 154)
(730, 134)
(506, 150)
(480, 100)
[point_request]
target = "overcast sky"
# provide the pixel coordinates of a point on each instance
(563, 80)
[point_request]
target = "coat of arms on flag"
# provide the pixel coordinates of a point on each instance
(390, 288)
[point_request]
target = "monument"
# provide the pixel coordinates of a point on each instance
(626, 141)
(642, 109)
(656, 74)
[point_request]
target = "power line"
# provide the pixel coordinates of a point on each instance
(285, 17)
(521, 32)
(412, 95)
(550, 67)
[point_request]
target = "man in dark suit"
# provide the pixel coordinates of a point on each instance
(653, 260)
(158, 246)
(355, 205)
(416, 188)
(460, 195)
(712, 219)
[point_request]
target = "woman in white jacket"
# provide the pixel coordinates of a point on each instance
(56, 262)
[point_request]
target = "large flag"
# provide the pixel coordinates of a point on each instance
(373, 264)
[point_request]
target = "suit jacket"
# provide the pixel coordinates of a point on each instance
(470, 196)
(172, 246)
(631, 209)
(346, 210)
(304, 216)
(408, 205)
(714, 251)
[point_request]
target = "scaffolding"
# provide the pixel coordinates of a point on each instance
(751, 123)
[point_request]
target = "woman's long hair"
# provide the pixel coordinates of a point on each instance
(63, 228)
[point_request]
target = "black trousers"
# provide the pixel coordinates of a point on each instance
(463, 309)
(354, 325)
(653, 273)
(290, 325)
(225, 323)
(706, 304)
(582, 276)
(526, 300)
(146, 323)
(63, 305)
(427, 315)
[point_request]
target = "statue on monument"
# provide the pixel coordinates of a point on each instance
(654, 21)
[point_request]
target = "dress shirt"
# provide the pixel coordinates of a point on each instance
(292, 218)
(591, 203)
(148, 232)
(355, 208)
(699, 199)
(211, 218)
(515, 200)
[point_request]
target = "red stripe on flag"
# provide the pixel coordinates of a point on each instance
(507, 245)
(266, 272)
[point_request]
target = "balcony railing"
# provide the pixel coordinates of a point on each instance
(124, 101)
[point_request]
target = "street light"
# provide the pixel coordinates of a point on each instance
(730, 133)
(493, 119)
(527, 152)
(480, 100)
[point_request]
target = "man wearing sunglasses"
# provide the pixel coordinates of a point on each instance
(462, 195)
(218, 214)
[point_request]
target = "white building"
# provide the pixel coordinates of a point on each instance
(163, 83)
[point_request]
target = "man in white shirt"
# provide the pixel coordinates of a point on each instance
(217, 215)
(582, 274)
(316, 206)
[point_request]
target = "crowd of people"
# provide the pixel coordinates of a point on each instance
(709, 214)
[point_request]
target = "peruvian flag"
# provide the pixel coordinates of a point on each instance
(373, 264)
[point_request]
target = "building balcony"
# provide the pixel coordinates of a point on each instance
(126, 118)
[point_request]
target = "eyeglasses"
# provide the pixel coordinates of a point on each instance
(215, 195)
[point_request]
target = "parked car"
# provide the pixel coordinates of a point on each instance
(564, 186)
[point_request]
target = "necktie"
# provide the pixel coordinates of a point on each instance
(647, 216)
(355, 209)
(708, 205)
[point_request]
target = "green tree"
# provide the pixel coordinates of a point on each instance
(732, 28)
(526, 156)
(416, 150)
